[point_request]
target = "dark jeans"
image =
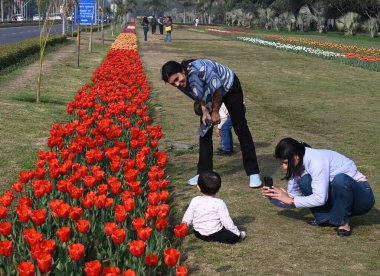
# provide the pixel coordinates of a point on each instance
(146, 29)
(153, 29)
(347, 198)
(236, 109)
(161, 27)
(223, 236)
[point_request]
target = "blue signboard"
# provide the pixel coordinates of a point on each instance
(87, 12)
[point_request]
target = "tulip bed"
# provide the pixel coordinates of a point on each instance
(367, 58)
(96, 203)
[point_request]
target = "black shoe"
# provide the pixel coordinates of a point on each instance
(223, 152)
(343, 232)
(314, 223)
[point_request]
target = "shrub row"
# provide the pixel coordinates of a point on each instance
(14, 53)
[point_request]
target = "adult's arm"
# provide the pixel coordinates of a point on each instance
(216, 103)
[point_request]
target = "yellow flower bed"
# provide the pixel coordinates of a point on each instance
(125, 41)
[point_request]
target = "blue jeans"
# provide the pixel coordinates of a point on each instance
(226, 135)
(347, 198)
(168, 37)
(146, 29)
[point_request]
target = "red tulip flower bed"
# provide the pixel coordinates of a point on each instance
(96, 203)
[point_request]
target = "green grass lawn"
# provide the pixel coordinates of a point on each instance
(321, 102)
(25, 125)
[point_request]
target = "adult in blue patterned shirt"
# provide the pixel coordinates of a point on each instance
(212, 83)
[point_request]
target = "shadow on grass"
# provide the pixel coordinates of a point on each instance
(242, 220)
(32, 99)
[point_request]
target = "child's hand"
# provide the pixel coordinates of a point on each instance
(217, 132)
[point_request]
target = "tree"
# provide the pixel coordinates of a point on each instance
(154, 5)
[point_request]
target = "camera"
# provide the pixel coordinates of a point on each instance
(268, 181)
(204, 128)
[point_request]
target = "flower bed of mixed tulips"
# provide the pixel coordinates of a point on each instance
(367, 58)
(96, 203)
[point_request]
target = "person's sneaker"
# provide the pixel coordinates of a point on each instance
(193, 181)
(243, 235)
(255, 181)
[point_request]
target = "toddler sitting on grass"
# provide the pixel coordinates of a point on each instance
(209, 215)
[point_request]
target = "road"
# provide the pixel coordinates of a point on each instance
(14, 34)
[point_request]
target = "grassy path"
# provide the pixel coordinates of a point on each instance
(326, 104)
(24, 125)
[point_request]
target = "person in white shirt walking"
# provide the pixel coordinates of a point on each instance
(323, 180)
(209, 215)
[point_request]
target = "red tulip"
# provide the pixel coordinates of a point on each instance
(153, 198)
(3, 212)
(83, 226)
(120, 213)
(181, 271)
(161, 224)
(108, 202)
(17, 186)
(164, 195)
(164, 210)
(111, 271)
(76, 213)
(7, 198)
(44, 262)
(76, 251)
(31, 236)
(129, 204)
(26, 269)
(138, 223)
(38, 216)
(5, 228)
(109, 227)
(151, 259)
(137, 247)
(93, 268)
(164, 183)
(89, 181)
(6, 248)
(102, 189)
(129, 272)
(63, 210)
(24, 200)
(131, 175)
(153, 185)
(63, 234)
(171, 256)
(118, 235)
(180, 230)
(144, 233)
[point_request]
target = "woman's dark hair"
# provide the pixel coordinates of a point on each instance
(145, 20)
(172, 67)
(287, 148)
(209, 183)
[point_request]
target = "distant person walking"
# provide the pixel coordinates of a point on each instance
(153, 24)
(196, 22)
(168, 29)
(160, 22)
(145, 24)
